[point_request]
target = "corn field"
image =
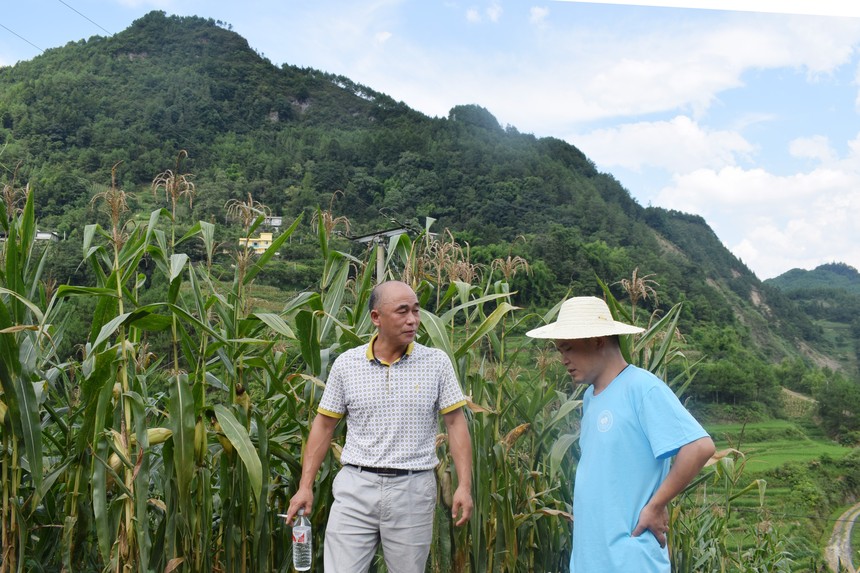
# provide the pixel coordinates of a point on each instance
(124, 460)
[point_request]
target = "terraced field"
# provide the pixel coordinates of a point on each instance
(791, 447)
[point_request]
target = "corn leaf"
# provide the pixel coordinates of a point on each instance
(486, 326)
(238, 436)
(182, 422)
(276, 323)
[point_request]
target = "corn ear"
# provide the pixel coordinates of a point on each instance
(243, 398)
(157, 436)
(219, 432)
(119, 443)
(514, 435)
(154, 436)
(114, 462)
(200, 441)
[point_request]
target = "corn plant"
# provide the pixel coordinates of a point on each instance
(25, 344)
(175, 437)
(700, 534)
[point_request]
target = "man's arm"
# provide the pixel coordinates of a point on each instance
(689, 460)
(319, 441)
(460, 445)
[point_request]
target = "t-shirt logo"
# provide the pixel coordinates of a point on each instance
(604, 421)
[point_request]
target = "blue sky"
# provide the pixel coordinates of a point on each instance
(747, 118)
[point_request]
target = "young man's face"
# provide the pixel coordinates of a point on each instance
(396, 315)
(580, 358)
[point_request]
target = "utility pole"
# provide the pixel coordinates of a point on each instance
(378, 238)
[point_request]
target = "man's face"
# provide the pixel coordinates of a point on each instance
(396, 315)
(580, 358)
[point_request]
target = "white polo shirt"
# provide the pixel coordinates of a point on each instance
(392, 410)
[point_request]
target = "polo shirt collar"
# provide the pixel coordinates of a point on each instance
(373, 358)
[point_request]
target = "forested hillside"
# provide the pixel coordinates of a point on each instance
(830, 296)
(299, 139)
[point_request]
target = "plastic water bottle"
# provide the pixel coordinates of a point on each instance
(302, 542)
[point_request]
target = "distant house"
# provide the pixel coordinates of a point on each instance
(257, 244)
(40, 236)
(47, 236)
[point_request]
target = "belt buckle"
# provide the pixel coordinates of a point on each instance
(389, 473)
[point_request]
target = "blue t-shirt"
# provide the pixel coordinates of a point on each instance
(629, 433)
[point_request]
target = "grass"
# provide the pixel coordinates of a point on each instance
(769, 445)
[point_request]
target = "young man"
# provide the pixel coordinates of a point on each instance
(632, 424)
(391, 392)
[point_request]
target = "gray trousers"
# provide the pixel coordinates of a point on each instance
(369, 509)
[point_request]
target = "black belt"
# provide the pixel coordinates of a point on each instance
(387, 472)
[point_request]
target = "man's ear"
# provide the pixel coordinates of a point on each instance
(374, 317)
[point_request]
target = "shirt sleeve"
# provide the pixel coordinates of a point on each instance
(667, 423)
(333, 402)
(450, 395)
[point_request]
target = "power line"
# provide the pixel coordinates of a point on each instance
(83, 16)
(22, 37)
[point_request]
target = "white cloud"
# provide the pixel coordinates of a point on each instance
(816, 147)
(493, 13)
(775, 223)
(349, 39)
(677, 145)
(688, 64)
(707, 190)
(538, 15)
(853, 157)
(857, 83)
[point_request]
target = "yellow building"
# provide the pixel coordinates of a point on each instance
(257, 244)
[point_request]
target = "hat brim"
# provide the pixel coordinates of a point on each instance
(557, 331)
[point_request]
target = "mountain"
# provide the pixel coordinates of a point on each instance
(835, 276)
(298, 139)
(830, 296)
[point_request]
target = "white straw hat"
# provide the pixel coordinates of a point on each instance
(583, 317)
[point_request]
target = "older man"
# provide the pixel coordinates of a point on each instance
(391, 392)
(632, 424)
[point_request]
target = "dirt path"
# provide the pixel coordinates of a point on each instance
(838, 552)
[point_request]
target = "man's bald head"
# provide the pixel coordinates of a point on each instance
(383, 290)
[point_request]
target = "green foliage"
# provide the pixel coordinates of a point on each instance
(839, 405)
(832, 276)
(702, 532)
(474, 115)
(292, 137)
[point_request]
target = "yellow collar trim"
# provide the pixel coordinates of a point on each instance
(373, 358)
